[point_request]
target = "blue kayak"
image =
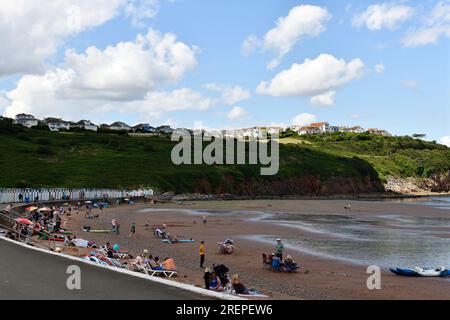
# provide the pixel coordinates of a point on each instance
(404, 272)
(419, 272)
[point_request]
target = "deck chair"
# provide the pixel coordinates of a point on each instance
(162, 273)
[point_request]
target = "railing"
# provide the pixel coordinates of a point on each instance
(14, 195)
(19, 236)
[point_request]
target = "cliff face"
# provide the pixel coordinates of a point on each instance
(436, 183)
(292, 186)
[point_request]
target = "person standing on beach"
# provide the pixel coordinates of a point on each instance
(202, 252)
(204, 219)
(279, 248)
(133, 231)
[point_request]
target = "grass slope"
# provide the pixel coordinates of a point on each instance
(38, 158)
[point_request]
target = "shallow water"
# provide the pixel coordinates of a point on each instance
(386, 240)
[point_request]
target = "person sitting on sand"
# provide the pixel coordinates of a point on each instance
(289, 264)
(215, 282)
(238, 286)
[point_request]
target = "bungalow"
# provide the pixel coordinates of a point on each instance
(275, 130)
(323, 127)
(356, 129)
(56, 124)
(144, 128)
(119, 126)
(164, 130)
(86, 125)
(378, 132)
(309, 130)
(26, 120)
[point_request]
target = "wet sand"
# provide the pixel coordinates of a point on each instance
(319, 277)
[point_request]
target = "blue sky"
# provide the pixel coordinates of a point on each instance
(408, 40)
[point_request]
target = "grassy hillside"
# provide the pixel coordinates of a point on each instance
(313, 164)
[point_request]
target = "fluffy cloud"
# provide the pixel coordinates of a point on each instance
(445, 141)
(384, 15)
(119, 78)
(302, 22)
(31, 31)
(303, 119)
(325, 99)
(436, 25)
(229, 94)
(313, 77)
(237, 113)
(379, 68)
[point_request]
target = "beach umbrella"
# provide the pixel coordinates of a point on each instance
(24, 221)
(66, 204)
(31, 209)
(88, 202)
(44, 210)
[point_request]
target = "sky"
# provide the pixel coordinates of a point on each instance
(230, 63)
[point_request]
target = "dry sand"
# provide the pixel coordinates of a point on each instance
(319, 278)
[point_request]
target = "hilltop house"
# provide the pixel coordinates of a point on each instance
(144, 128)
(164, 130)
(323, 127)
(378, 132)
(119, 126)
(26, 120)
(56, 124)
(86, 125)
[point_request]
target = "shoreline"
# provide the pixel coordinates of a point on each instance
(319, 278)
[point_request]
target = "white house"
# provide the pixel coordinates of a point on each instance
(119, 126)
(86, 125)
(55, 124)
(323, 127)
(26, 120)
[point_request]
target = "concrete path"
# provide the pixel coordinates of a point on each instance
(31, 275)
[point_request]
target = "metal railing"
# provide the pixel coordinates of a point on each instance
(19, 235)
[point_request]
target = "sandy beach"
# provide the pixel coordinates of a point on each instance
(320, 277)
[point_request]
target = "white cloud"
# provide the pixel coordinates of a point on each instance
(325, 99)
(313, 77)
(140, 10)
(303, 119)
(436, 25)
(120, 78)
(383, 15)
(31, 31)
(237, 113)
(229, 94)
(302, 22)
(410, 84)
(379, 68)
(445, 141)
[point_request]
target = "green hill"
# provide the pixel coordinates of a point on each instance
(338, 163)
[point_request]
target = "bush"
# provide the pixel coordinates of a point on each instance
(44, 150)
(43, 141)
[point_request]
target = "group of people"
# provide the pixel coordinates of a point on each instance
(146, 260)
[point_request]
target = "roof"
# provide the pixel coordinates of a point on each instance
(318, 124)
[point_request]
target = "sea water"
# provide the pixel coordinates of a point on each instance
(386, 240)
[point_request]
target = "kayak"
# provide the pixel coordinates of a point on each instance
(178, 241)
(421, 272)
(96, 231)
(404, 272)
